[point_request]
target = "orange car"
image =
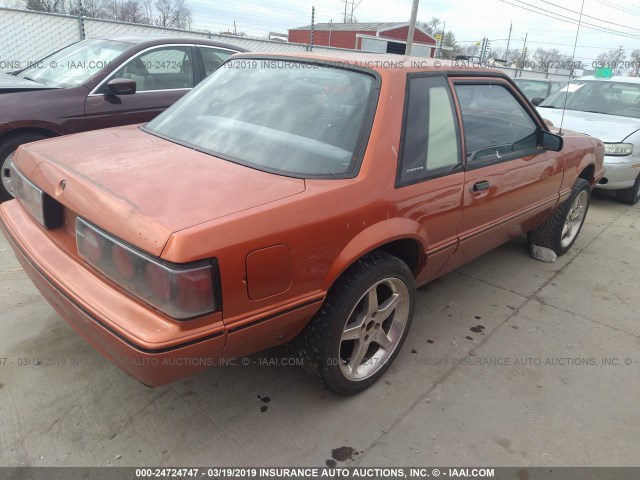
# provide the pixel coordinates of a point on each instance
(295, 198)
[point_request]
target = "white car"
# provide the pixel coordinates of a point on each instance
(608, 109)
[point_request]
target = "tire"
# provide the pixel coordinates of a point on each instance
(552, 234)
(630, 195)
(7, 150)
(351, 309)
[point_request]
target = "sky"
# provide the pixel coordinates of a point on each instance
(469, 20)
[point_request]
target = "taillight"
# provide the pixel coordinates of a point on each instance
(180, 290)
(91, 244)
(158, 281)
(123, 261)
(193, 290)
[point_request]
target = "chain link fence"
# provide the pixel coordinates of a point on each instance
(27, 36)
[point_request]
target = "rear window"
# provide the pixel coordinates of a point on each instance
(293, 118)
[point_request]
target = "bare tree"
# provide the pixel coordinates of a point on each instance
(94, 8)
(612, 57)
(173, 13)
(634, 58)
(51, 6)
(431, 27)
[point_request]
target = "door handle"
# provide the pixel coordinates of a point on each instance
(480, 186)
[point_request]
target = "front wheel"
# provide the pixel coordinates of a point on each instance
(361, 326)
(630, 195)
(560, 230)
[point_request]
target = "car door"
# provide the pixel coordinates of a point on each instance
(430, 178)
(162, 74)
(510, 181)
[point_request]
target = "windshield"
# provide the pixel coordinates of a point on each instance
(74, 64)
(608, 97)
(293, 118)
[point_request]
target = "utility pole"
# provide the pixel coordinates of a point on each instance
(506, 54)
(412, 27)
(439, 53)
(346, 2)
(524, 52)
(313, 27)
(81, 19)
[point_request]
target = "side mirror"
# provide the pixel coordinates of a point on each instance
(551, 141)
(537, 100)
(121, 86)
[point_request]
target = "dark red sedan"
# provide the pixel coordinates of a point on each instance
(99, 83)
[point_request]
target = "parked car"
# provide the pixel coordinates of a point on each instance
(99, 83)
(609, 109)
(536, 88)
(290, 198)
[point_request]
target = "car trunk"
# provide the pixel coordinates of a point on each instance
(142, 188)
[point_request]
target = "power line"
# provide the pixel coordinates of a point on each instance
(619, 7)
(589, 16)
(570, 20)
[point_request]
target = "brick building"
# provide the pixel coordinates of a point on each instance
(382, 37)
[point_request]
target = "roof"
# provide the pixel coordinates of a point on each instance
(353, 27)
(615, 78)
(373, 61)
(153, 40)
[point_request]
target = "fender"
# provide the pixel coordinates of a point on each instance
(572, 171)
(373, 237)
(27, 125)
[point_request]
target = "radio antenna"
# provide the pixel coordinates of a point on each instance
(575, 44)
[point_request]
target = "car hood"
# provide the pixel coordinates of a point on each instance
(12, 84)
(142, 188)
(608, 128)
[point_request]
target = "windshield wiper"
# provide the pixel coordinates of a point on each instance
(30, 79)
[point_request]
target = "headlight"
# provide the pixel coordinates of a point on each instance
(41, 206)
(180, 291)
(618, 149)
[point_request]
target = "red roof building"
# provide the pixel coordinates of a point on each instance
(383, 37)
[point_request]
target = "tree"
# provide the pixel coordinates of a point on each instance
(173, 14)
(431, 27)
(612, 57)
(449, 40)
(51, 6)
(634, 58)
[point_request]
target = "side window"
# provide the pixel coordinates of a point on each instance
(166, 68)
(495, 124)
(430, 145)
(212, 59)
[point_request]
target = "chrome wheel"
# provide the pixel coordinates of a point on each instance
(6, 173)
(374, 329)
(574, 219)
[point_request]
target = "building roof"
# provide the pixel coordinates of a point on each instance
(353, 27)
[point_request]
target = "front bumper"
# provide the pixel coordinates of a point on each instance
(150, 347)
(619, 175)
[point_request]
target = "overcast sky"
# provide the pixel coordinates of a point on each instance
(470, 20)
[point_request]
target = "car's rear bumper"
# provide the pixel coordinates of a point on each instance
(144, 343)
(619, 175)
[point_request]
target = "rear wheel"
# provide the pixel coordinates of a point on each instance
(630, 195)
(7, 152)
(560, 230)
(361, 326)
